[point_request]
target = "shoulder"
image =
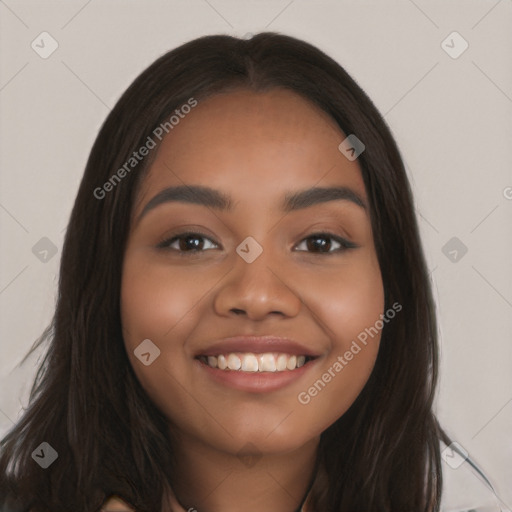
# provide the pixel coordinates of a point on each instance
(116, 504)
(465, 486)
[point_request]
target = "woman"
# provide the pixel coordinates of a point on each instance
(245, 317)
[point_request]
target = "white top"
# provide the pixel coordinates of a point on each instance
(464, 488)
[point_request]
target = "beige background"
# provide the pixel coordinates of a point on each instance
(452, 118)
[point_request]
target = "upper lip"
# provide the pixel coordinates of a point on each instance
(256, 345)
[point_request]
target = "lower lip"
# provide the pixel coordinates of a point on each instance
(255, 382)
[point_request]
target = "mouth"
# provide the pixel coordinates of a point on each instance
(253, 362)
(255, 373)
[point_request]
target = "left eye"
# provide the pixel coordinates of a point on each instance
(321, 241)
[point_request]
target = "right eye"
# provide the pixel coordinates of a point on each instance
(187, 242)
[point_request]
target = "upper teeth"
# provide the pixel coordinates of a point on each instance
(268, 362)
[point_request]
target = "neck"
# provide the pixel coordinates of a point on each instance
(209, 480)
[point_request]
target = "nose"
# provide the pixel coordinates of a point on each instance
(257, 289)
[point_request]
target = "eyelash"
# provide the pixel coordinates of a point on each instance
(165, 244)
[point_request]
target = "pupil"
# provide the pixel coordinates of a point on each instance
(324, 244)
(189, 244)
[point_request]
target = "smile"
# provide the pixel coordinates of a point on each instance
(251, 362)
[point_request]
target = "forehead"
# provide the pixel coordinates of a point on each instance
(253, 145)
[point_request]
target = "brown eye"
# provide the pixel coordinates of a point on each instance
(323, 243)
(187, 242)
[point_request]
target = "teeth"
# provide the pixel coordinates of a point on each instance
(281, 362)
(268, 362)
(250, 363)
(291, 363)
(221, 362)
(234, 362)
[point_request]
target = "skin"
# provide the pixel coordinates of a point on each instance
(256, 147)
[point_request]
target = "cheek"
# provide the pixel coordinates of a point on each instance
(163, 306)
(349, 308)
(349, 300)
(157, 301)
(156, 305)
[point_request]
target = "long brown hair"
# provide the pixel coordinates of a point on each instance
(86, 402)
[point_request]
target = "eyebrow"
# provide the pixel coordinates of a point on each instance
(211, 198)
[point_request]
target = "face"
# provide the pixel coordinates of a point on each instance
(259, 270)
